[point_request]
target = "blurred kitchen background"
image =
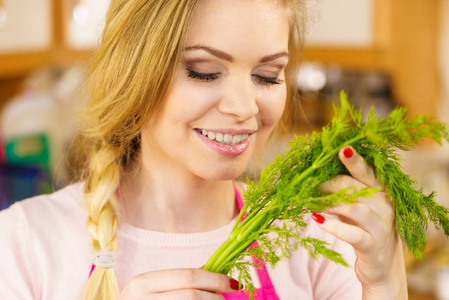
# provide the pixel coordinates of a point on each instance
(383, 53)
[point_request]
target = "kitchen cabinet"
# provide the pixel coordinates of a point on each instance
(78, 25)
(397, 37)
(25, 35)
(40, 33)
(84, 22)
(25, 26)
(43, 33)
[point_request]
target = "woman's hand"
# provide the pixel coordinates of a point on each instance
(179, 284)
(370, 227)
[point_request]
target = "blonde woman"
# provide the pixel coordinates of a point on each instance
(182, 94)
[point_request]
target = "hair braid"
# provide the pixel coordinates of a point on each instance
(101, 200)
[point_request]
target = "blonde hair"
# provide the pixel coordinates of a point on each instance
(132, 69)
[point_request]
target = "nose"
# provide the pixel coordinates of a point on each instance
(239, 100)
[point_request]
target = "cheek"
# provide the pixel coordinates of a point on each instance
(271, 106)
(187, 103)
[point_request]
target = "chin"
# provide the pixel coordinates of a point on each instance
(222, 174)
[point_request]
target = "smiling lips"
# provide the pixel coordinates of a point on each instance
(225, 143)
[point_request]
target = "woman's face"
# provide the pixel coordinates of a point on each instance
(227, 94)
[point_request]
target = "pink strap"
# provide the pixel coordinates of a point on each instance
(91, 269)
(238, 198)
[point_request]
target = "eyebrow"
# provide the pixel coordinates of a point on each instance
(215, 52)
(273, 57)
(225, 56)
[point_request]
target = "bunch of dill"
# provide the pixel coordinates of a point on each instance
(289, 188)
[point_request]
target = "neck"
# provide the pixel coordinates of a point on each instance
(166, 201)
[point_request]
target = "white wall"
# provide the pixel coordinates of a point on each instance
(340, 23)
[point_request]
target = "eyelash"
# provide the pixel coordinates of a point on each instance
(266, 81)
(201, 76)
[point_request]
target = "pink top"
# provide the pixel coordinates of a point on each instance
(46, 252)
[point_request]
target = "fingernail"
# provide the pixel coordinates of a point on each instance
(318, 218)
(347, 152)
(235, 285)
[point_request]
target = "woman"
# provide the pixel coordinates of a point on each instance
(182, 94)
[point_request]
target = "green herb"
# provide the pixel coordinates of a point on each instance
(289, 188)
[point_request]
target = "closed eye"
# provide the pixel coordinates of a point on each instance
(202, 76)
(267, 81)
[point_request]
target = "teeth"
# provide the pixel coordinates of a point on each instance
(219, 137)
(211, 135)
(227, 139)
(236, 139)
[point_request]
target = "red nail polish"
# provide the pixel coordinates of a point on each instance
(347, 152)
(235, 285)
(318, 218)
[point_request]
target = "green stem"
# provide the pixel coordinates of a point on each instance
(321, 160)
(214, 259)
(252, 224)
(250, 238)
(236, 250)
(238, 221)
(260, 206)
(240, 237)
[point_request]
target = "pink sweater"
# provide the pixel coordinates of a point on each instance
(45, 253)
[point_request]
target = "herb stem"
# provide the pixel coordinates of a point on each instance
(240, 236)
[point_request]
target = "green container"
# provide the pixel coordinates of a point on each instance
(29, 150)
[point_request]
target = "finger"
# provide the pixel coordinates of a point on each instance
(187, 294)
(341, 182)
(179, 279)
(379, 203)
(357, 166)
(359, 214)
(351, 234)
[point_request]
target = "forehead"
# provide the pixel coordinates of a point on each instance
(240, 25)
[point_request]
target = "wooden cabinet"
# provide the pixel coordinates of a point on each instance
(401, 41)
(79, 25)
(84, 22)
(47, 33)
(26, 26)
(25, 35)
